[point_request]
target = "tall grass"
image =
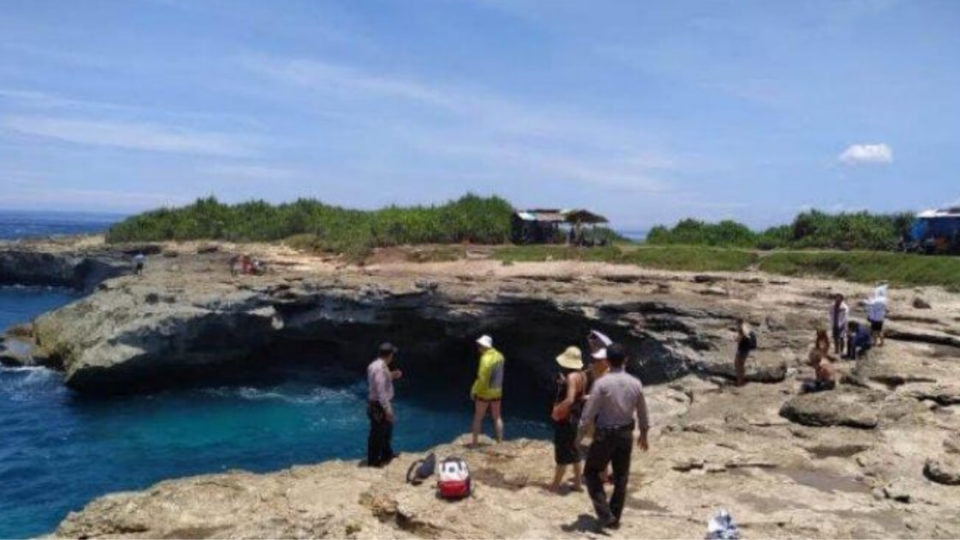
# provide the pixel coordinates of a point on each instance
(867, 267)
(813, 229)
(314, 224)
(691, 258)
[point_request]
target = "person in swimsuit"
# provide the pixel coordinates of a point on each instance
(567, 405)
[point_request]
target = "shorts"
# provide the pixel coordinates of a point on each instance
(565, 451)
(876, 326)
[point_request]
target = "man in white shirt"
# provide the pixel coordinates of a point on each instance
(380, 407)
(839, 314)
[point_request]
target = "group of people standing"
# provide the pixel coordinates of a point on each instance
(851, 340)
(599, 400)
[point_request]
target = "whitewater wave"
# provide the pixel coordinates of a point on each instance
(314, 396)
(25, 383)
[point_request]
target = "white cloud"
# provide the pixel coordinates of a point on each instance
(135, 136)
(867, 153)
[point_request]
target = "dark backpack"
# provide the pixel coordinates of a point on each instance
(421, 469)
(752, 340)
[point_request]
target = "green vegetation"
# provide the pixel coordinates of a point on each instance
(867, 267)
(899, 269)
(692, 258)
(813, 229)
(310, 224)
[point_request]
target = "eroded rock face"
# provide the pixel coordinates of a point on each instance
(77, 271)
(135, 334)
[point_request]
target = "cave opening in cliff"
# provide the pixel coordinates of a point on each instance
(439, 357)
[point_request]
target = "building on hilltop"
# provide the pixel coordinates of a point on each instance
(554, 226)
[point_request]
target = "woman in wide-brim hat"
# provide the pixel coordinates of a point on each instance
(567, 404)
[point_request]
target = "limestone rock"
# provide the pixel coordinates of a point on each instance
(831, 408)
(943, 470)
(952, 443)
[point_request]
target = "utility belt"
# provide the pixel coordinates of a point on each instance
(376, 411)
(628, 428)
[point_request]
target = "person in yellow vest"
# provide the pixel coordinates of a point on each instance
(487, 390)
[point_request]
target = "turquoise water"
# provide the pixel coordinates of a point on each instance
(59, 450)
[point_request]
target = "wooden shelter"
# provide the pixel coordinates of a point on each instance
(543, 225)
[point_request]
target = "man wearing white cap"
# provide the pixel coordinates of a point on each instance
(487, 390)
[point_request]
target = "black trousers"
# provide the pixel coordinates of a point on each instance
(609, 446)
(379, 449)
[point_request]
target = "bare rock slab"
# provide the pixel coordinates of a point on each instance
(832, 408)
(943, 470)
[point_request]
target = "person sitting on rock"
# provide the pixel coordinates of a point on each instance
(859, 340)
(820, 359)
(821, 348)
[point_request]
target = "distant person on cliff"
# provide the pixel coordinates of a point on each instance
(859, 340)
(567, 405)
(487, 390)
(380, 406)
(138, 261)
(746, 342)
(877, 313)
(839, 314)
(611, 407)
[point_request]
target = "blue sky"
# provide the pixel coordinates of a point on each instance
(645, 111)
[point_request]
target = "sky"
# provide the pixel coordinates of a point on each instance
(647, 112)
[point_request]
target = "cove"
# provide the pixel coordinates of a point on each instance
(60, 449)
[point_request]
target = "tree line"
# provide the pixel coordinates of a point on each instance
(813, 229)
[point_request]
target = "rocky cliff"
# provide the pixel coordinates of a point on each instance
(818, 471)
(30, 264)
(875, 458)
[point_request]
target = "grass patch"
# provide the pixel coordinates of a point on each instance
(868, 267)
(691, 258)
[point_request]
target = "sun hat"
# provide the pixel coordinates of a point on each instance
(600, 355)
(601, 337)
(485, 341)
(571, 358)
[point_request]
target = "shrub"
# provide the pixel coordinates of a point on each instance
(813, 229)
(311, 224)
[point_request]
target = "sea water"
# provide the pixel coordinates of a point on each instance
(59, 450)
